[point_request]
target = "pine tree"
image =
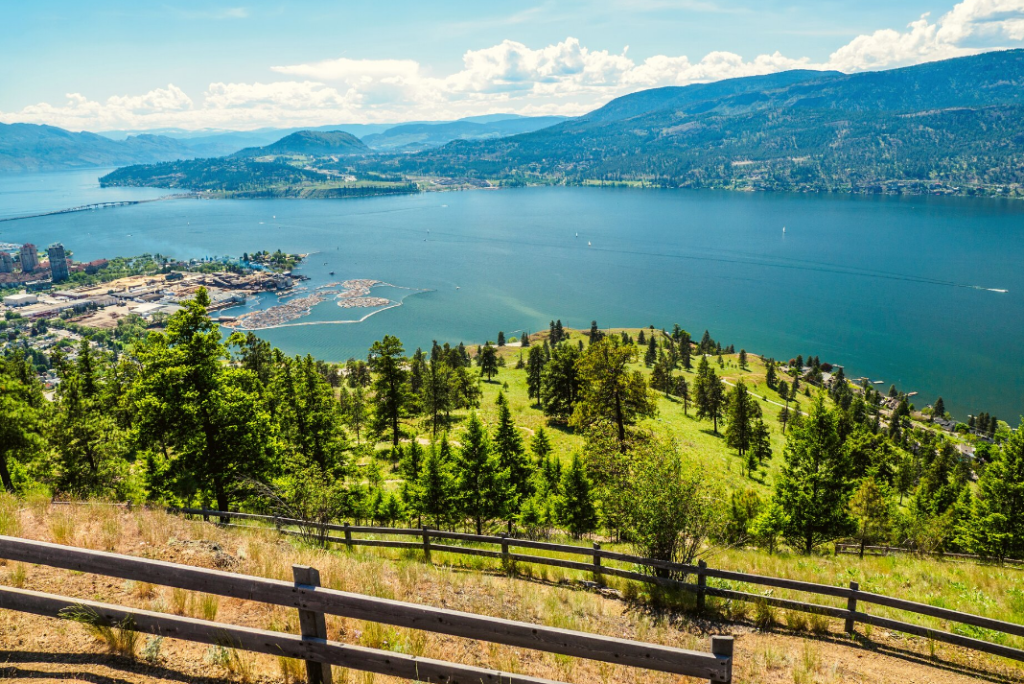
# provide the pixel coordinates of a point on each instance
(741, 412)
(390, 385)
(685, 353)
(488, 361)
(651, 355)
(541, 445)
(743, 358)
(708, 394)
(534, 372)
(813, 486)
(524, 339)
(939, 409)
(482, 486)
(436, 491)
(575, 504)
(871, 509)
(641, 339)
(683, 392)
(706, 345)
(996, 524)
(771, 374)
(595, 332)
(560, 385)
(206, 412)
(512, 459)
(559, 332)
(761, 442)
(609, 391)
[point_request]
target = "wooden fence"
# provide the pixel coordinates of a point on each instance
(854, 549)
(671, 575)
(314, 601)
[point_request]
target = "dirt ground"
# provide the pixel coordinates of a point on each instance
(44, 650)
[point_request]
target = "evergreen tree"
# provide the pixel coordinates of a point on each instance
(206, 413)
(390, 386)
(512, 459)
(708, 393)
(355, 410)
(559, 332)
(610, 392)
(651, 355)
(813, 486)
(541, 446)
(760, 442)
(996, 523)
(575, 504)
(488, 361)
(524, 340)
(685, 353)
(436, 488)
(743, 358)
(560, 386)
(706, 345)
(784, 418)
(595, 332)
(411, 465)
(417, 373)
(21, 415)
(770, 374)
(534, 372)
(501, 338)
(741, 412)
(871, 509)
(308, 416)
(482, 486)
(939, 409)
(641, 339)
(683, 392)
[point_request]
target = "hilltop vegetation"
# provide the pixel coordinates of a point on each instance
(311, 144)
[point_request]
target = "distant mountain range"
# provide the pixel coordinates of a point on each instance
(955, 126)
(419, 136)
(950, 126)
(28, 147)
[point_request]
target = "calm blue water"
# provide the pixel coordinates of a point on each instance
(887, 286)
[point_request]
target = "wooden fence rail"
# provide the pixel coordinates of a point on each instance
(313, 602)
(854, 549)
(677, 576)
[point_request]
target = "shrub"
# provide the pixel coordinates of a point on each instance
(120, 637)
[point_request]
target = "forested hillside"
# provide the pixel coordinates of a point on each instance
(935, 126)
(645, 436)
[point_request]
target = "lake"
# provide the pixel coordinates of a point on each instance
(903, 290)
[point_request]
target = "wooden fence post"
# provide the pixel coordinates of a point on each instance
(851, 605)
(721, 646)
(312, 625)
(426, 544)
(505, 561)
(348, 537)
(702, 583)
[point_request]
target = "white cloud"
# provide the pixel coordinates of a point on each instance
(566, 78)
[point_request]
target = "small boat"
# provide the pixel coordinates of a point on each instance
(457, 287)
(332, 272)
(588, 243)
(783, 229)
(577, 234)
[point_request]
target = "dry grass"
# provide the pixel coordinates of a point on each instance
(552, 597)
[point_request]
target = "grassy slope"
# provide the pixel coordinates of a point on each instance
(695, 437)
(46, 649)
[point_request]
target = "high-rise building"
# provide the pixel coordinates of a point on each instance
(29, 257)
(6, 263)
(58, 262)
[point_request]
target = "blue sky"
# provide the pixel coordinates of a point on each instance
(113, 64)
